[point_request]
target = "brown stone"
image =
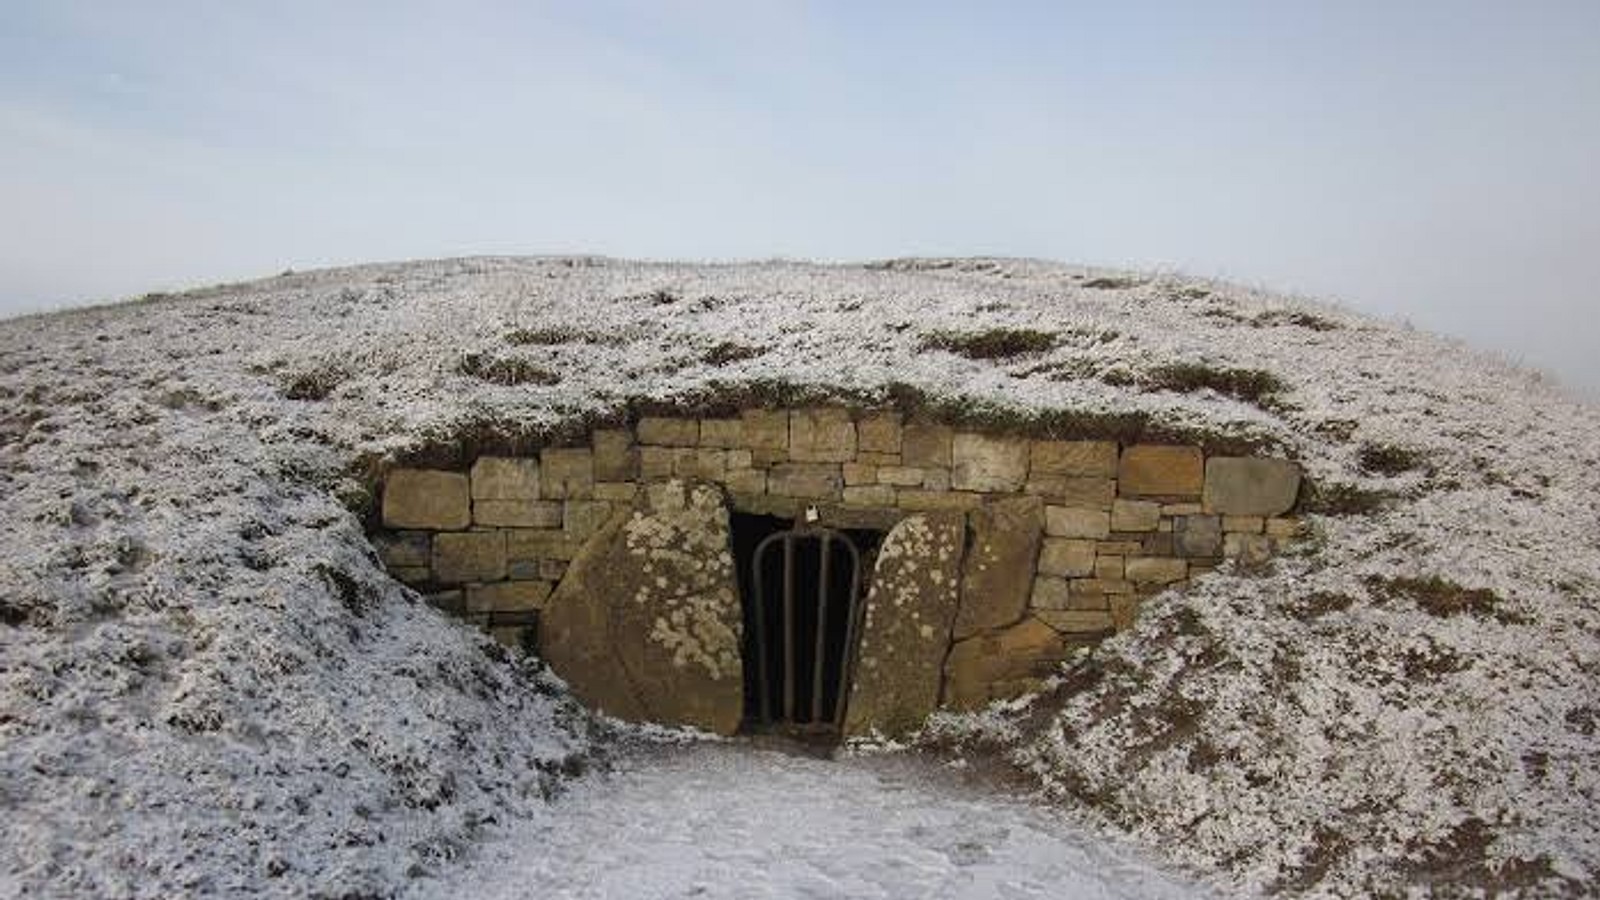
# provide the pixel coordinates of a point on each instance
(998, 573)
(1249, 550)
(1078, 622)
(936, 479)
(1156, 570)
(869, 495)
(766, 429)
(747, 481)
(906, 630)
(469, 556)
(1158, 470)
(656, 463)
(646, 624)
(616, 491)
(1244, 486)
(1050, 593)
(507, 595)
(821, 435)
(412, 575)
(1108, 568)
(901, 476)
(1074, 522)
(856, 473)
(615, 456)
(567, 473)
(1001, 665)
(505, 478)
(1124, 610)
(1283, 529)
(981, 462)
(405, 548)
(807, 480)
(1135, 515)
(664, 432)
(926, 445)
(927, 501)
(1085, 458)
(725, 433)
(879, 432)
(585, 517)
(1067, 558)
(1071, 490)
(878, 459)
(702, 464)
(540, 544)
(426, 498)
(518, 513)
(1244, 524)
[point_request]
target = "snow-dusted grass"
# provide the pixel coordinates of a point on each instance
(208, 683)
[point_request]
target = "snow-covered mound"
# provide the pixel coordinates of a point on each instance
(207, 681)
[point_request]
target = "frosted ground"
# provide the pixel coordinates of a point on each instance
(209, 686)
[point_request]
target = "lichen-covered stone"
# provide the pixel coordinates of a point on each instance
(981, 462)
(1000, 665)
(1135, 515)
(926, 445)
(1076, 522)
(1249, 550)
(646, 624)
(567, 473)
(906, 629)
(616, 458)
(1197, 536)
(657, 431)
(998, 573)
(517, 513)
(469, 556)
(426, 498)
(1082, 458)
(1067, 558)
(1158, 470)
(879, 432)
(1244, 486)
(817, 481)
(821, 435)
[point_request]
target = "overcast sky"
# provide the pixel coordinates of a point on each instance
(1431, 161)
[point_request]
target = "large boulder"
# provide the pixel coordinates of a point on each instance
(646, 624)
(998, 573)
(906, 630)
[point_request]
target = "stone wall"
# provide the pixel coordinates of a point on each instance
(1063, 538)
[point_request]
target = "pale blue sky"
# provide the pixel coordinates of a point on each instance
(1434, 161)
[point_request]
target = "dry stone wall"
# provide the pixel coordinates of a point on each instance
(1062, 539)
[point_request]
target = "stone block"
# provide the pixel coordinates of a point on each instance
(518, 513)
(523, 569)
(766, 429)
(505, 478)
(1072, 490)
(762, 458)
(1197, 536)
(1049, 593)
(585, 517)
(821, 435)
(996, 578)
(746, 481)
(507, 595)
(1108, 568)
(426, 498)
(1159, 470)
(879, 432)
(1080, 458)
(936, 479)
(1155, 570)
(1159, 543)
(702, 464)
(878, 459)
(567, 473)
(1169, 510)
(412, 575)
(1135, 515)
(1283, 528)
(1066, 558)
(1244, 524)
(740, 458)
(615, 456)
(994, 666)
(926, 445)
(1078, 622)
(922, 501)
(552, 569)
(1124, 610)
(1244, 486)
(656, 431)
(405, 548)
(869, 495)
(1249, 550)
(724, 433)
(856, 473)
(806, 480)
(469, 556)
(1076, 522)
(901, 476)
(453, 602)
(616, 491)
(981, 462)
(539, 544)
(659, 463)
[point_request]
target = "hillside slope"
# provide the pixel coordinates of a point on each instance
(207, 681)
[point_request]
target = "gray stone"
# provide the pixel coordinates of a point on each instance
(517, 513)
(469, 556)
(805, 480)
(981, 462)
(426, 498)
(998, 572)
(1243, 486)
(505, 478)
(568, 474)
(821, 435)
(1194, 536)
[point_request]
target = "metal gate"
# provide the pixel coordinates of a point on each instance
(804, 658)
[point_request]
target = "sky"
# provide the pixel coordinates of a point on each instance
(1436, 163)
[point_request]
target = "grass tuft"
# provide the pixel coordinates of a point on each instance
(505, 370)
(991, 343)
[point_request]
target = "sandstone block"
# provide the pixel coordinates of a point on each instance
(412, 575)
(1283, 528)
(1067, 558)
(1049, 593)
(807, 480)
(1244, 486)
(878, 459)
(999, 665)
(879, 432)
(981, 462)
(869, 495)
(724, 433)
(616, 491)
(615, 456)
(1108, 568)
(584, 517)
(997, 575)
(1135, 515)
(469, 556)
(405, 548)
(507, 595)
(1124, 610)
(856, 473)
(766, 429)
(1197, 536)
(747, 481)
(702, 464)
(1071, 490)
(1158, 470)
(426, 498)
(1244, 524)
(1078, 622)
(552, 569)
(926, 501)
(1156, 570)
(505, 478)
(1249, 550)
(1082, 458)
(658, 431)
(539, 544)
(926, 445)
(1076, 522)
(901, 476)
(1169, 510)
(821, 435)
(659, 463)
(518, 513)
(567, 473)
(936, 479)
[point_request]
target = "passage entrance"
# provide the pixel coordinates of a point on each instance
(802, 589)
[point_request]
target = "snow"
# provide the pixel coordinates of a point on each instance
(209, 685)
(726, 820)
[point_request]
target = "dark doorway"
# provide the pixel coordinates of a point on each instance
(802, 591)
